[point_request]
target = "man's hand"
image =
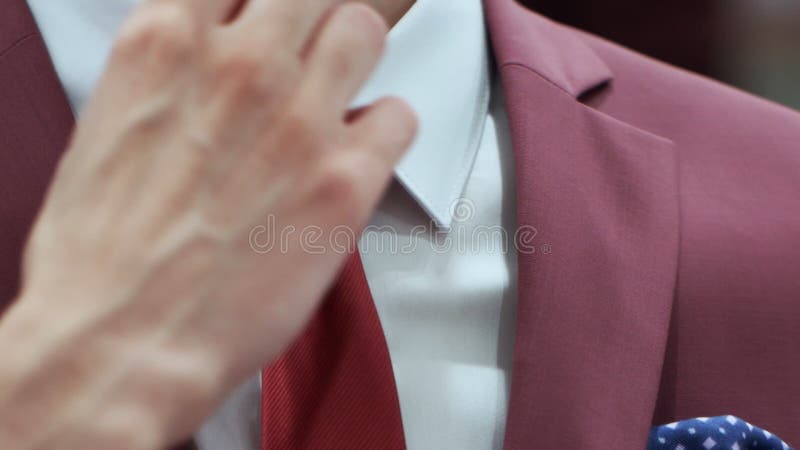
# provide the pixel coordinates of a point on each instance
(144, 301)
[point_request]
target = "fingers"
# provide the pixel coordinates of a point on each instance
(346, 50)
(207, 11)
(377, 139)
(287, 22)
(384, 130)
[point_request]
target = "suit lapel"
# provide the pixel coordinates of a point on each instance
(596, 284)
(35, 124)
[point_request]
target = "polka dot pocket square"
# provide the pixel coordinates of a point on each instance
(713, 433)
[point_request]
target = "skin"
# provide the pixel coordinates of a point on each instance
(391, 10)
(143, 302)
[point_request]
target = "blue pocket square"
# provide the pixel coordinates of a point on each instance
(713, 433)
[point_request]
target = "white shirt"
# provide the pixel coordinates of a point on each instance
(444, 277)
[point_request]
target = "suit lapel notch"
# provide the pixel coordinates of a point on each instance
(553, 51)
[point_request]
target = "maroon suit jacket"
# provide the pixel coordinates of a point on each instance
(671, 205)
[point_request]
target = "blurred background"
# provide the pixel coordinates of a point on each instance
(752, 44)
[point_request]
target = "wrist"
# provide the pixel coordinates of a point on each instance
(61, 382)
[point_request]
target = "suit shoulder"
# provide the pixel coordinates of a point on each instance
(684, 106)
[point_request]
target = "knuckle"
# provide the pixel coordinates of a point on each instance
(301, 132)
(342, 64)
(338, 187)
(250, 76)
(365, 22)
(239, 73)
(392, 127)
(161, 30)
(358, 32)
(359, 25)
(406, 123)
(239, 66)
(281, 65)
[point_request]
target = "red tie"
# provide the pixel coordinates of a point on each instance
(334, 388)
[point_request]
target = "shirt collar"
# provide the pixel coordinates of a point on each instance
(437, 60)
